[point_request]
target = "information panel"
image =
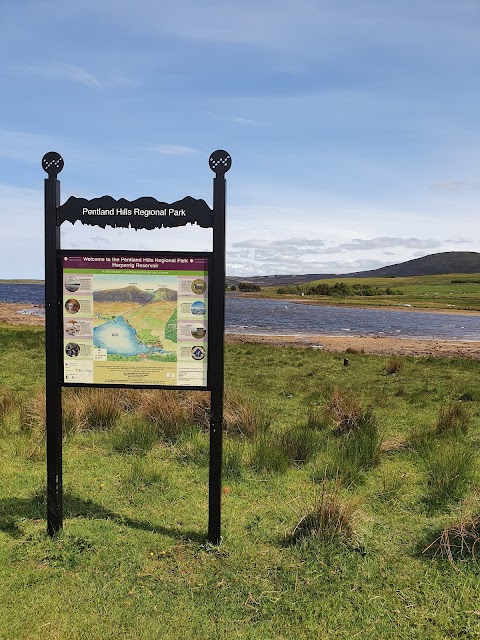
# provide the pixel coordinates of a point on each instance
(135, 319)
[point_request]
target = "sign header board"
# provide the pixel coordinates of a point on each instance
(135, 319)
(142, 213)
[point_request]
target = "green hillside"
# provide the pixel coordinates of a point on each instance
(435, 264)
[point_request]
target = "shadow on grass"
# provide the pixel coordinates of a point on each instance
(15, 510)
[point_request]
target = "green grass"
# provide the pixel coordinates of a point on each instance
(425, 292)
(132, 560)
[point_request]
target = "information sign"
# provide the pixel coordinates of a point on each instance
(135, 319)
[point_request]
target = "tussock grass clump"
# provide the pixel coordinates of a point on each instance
(328, 520)
(193, 447)
(395, 364)
(99, 408)
(267, 456)
(316, 417)
(344, 410)
(243, 416)
(299, 443)
(453, 418)
(197, 404)
(7, 402)
(358, 450)
(422, 436)
(457, 541)
(450, 470)
(32, 414)
(391, 483)
(164, 408)
(469, 395)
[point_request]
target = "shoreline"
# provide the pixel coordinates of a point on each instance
(391, 307)
(377, 345)
(374, 345)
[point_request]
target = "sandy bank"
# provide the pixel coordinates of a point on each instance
(10, 314)
(368, 344)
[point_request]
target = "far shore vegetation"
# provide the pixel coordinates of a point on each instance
(450, 291)
(351, 503)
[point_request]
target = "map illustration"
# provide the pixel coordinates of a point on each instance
(137, 321)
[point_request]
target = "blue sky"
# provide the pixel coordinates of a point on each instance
(353, 125)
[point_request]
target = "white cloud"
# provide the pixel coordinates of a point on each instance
(246, 121)
(173, 150)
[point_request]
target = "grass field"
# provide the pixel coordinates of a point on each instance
(350, 506)
(426, 292)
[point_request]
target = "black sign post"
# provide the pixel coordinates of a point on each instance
(144, 213)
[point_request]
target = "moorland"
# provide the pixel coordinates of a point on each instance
(350, 501)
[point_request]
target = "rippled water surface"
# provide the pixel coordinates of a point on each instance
(287, 318)
(258, 316)
(22, 293)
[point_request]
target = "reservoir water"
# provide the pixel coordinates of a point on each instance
(118, 337)
(260, 316)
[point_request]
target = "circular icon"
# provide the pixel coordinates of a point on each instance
(72, 327)
(198, 332)
(52, 163)
(198, 308)
(220, 162)
(72, 284)
(198, 353)
(198, 286)
(72, 349)
(72, 305)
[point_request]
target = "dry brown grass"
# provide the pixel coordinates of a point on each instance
(32, 414)
(394, 445)
(328, 520)
(242, 416)
(453, 418)
(395, 364)
(7, 402)
(457, 541)
(344, 409)
(165, 410)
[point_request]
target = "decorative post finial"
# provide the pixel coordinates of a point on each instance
(52, 163)
(220, 162)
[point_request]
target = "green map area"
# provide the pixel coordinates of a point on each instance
(128, 316)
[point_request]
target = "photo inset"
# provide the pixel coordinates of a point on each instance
(199, 286)
(198, 332)
(72, 349)
(72, 327)
(72, 284)
(72, 305)
(198, 308)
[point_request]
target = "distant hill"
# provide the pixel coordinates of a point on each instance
(435, 264)
(165, 295)
(134, 294)
(126, 294)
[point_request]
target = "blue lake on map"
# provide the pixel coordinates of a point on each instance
(119, 338)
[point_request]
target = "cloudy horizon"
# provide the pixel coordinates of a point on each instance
(353, 127)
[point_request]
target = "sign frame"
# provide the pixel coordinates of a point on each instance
(190, 211)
